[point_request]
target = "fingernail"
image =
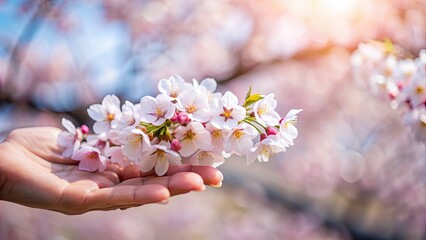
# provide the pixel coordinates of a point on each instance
(217, 185)
(164, 202)
(203, 187)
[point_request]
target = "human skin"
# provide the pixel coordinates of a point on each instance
(33, 173)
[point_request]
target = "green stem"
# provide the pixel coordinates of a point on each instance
(247, 121)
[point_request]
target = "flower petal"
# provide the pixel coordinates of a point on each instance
(147, 162)
(96, 112)
(68, 125)
(161, 166)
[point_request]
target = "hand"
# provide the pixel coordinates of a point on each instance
(33, 173)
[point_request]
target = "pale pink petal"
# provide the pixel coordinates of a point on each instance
(243, 146)
(210, 84)
(187, 149)
(230, 124)
(170, 112)
(96, 112)
(218, 122)
(229, 100)
(65, 139)
(101, 127)
(174, 160)
(271, 118)
(148, 104)
(147, 162)
(132, 151)
(203, 141)
(148, 118)
(161, 167)
(252, 155)
(159, 122)
(163, 101)
(196, 127)
(90, 165)
(239, 113)
(68, 125)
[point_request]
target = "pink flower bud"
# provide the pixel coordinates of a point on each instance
(400, 85)
(174, 118)
(183, 118)
(84, 129)
(271, 131)
(176, 145)
(263, 136)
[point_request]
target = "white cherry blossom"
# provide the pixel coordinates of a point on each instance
(416, 90)
(173, 86)
(195, 103)
(207, 158)
(217, 137)
(116, 155)
(288, 130)
(90, 159)
(156, 110)
(240, 139)
(208, 85)
(227, 113)
(159, 157)
(416, 119)
(264, 111)
(135, 142)
(104, 113)
(69, 140)
(193, 137)
(129, 116)
(265, 149)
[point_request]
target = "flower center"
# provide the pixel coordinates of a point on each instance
(191, 109)
(420, 90)
(161, 155)
(216, 134)
(174, 92)
(110, 117)
(423, 120)
(92, 155)
(261, 110)
(238, 134)
(189, 135)
(130, 120)
(227, 113)
(159, 112)
(265, 151)
(136, 140)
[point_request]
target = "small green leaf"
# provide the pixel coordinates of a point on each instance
(248, 94)
(252, 99)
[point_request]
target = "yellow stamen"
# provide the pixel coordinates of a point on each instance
(189, 135)
(110, 117)
(265, 151)
(92, 155)
(217, 134)
(238, 134)
(136, 140)
(191, 109)
(420, 90)
(158, 112)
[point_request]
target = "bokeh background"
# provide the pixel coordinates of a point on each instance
(355, 171)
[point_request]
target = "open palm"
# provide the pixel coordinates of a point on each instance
(33, 173)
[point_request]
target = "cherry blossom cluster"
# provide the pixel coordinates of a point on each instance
(185, 123)
(400, 80)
